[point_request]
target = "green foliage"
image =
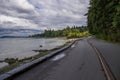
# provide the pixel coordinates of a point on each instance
(74, 32)
(104, 19)
(8, 68)
(11, 60)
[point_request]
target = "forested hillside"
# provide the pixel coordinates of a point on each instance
(73, 32)
(104, 19)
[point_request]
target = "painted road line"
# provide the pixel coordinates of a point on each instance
(105, 66)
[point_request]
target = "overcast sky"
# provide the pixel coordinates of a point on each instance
(42, 14)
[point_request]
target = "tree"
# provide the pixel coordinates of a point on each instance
(104, 19)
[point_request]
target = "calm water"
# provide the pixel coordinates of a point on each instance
(22, 47)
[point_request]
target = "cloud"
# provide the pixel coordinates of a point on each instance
(7, 21)
(42, 14)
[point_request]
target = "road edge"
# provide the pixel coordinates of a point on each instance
(108, 73)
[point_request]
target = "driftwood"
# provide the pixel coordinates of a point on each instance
(40, 50)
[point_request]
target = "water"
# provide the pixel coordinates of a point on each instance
(22, 47)
(3, 64)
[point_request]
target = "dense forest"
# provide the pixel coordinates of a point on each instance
(68, 32)
(104, 19)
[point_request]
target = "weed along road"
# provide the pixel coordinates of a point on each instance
(86, 59)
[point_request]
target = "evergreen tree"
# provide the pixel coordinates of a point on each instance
(104, 19)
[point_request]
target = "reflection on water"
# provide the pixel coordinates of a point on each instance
(22, 47)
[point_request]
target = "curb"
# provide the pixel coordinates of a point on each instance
(10, 74)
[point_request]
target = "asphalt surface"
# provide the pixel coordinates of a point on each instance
(79, 62)
(111, 54)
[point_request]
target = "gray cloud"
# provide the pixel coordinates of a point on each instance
(42, 14)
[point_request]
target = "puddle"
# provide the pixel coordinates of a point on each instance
(58, 57)
(73, 46)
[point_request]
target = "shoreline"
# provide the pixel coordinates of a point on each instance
(15, 62)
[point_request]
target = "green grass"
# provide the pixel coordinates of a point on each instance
(10, 67)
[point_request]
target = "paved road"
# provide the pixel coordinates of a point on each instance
(79, 62)
(111, 54)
